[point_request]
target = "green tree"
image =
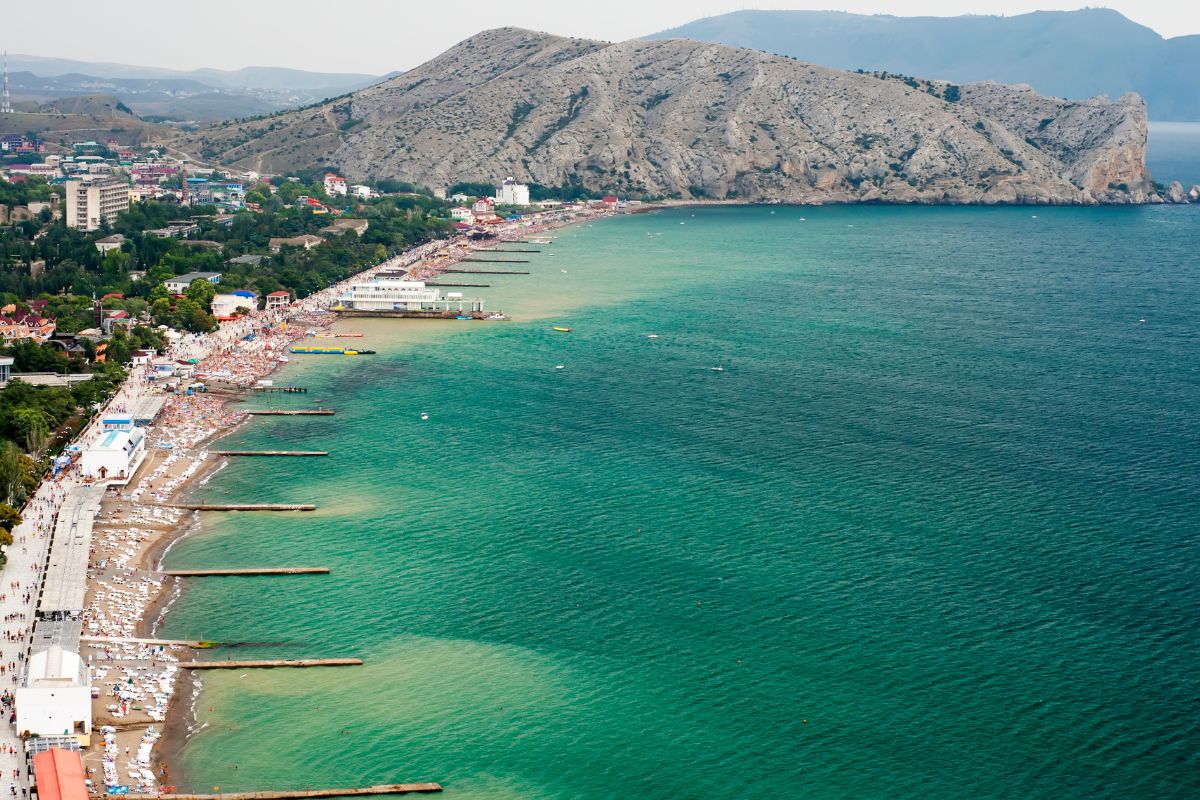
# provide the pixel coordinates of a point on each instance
(10, 472)
(9, 517)
(200, 292)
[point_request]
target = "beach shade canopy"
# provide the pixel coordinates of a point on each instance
(59, 775)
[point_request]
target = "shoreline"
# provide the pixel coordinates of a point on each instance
(179, 724)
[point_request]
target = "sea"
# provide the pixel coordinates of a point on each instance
(833, 502)
(1173, 152)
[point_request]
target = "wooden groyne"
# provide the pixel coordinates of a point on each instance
(272, 663)
(460, 285)
(495, 261)
(205, 573)
(512, 251)
(391, 788)
(135, 640)
(281, 389)
(482, 272)
(274, 412)
(244, 507)
(272, 453)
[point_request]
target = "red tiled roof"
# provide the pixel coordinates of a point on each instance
(59, 775)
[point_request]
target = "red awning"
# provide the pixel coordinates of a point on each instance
(59, 775)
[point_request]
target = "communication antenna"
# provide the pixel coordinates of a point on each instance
(5, 104)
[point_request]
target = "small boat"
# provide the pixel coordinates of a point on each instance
(462, 316)
(561, 329)
(496, 316)
(366, 352)
(560, 366)
(651, 335)
(717, 368)
(283, 359)
(424, 415)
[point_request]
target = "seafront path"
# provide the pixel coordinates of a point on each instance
(18, 586)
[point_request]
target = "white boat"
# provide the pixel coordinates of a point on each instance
(560, 366)
(496, 317)
(424, 415)
(652, 336)
(717, 368)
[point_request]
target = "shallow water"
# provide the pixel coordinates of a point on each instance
(931, 533)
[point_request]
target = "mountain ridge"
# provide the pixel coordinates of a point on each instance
(1082, 53)
(693, 120)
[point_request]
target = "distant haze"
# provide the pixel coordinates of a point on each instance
(379, 36)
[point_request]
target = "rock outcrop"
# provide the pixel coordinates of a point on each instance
(694, 120)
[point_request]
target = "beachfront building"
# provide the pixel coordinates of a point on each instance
(462, 214)
(397, 293)
(58, 771)
(55, 699)
(179, 284)
(511, 193)
(117, 454)
(94, 200)
(278, 301)
(225, 306)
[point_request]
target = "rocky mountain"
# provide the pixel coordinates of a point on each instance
(696, 120)
(1093, 51)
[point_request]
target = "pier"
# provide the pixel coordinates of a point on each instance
(272, 663)
(459, 285)
(281, 389)
(205, 573)
(244, 507)
(512, 251)
(272, 453)
(496, 261)
(391, 788)
(274, 412)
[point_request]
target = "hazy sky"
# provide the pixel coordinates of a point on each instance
(378, 36)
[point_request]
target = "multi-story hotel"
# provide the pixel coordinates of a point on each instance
(93, 199)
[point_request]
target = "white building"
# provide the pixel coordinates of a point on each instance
(56, 696)
(179, 284)
(511, 193)
(365, 192)
(335, 185)
(227, 305)
(462, 214)
(93, 200)
(113, 242)
(398, 293)
(117, 454)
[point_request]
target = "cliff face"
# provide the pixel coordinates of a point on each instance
(701, 120)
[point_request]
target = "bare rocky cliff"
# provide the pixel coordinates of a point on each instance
(695, 120)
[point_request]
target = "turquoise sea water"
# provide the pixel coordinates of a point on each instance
(932, 533)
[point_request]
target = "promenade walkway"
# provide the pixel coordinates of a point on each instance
(19, 580)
